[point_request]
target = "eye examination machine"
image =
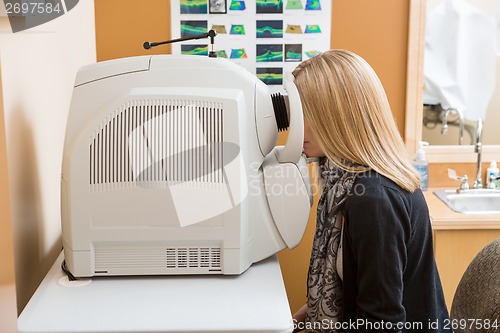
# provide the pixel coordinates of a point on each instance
(170, 167)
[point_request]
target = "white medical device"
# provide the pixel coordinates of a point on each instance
(170, 167)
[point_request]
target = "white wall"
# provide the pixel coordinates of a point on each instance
(38, 71)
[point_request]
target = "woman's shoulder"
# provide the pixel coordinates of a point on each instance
(372, 188)
(373, 183)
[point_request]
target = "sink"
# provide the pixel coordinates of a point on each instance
(478, 201)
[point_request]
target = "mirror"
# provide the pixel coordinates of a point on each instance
(436, 153)
(448, 125)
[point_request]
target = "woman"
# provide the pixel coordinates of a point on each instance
(372, 266)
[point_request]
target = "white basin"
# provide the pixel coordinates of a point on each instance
(479, 201)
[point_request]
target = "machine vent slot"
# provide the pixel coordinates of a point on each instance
(158, 141)
(159, 258)
(194, 257)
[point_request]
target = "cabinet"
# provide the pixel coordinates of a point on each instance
(454, 250)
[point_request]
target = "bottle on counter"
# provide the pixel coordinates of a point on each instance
(421, 165)
(492, 171)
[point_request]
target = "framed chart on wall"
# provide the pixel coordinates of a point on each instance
(267, 37)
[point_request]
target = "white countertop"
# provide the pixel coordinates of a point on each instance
(254, 301)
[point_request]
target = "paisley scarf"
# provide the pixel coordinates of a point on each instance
(324, 285)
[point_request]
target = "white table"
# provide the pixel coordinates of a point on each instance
(254, 301)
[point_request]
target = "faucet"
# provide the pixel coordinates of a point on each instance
(478, 182)
(464, 181)
(444, 123)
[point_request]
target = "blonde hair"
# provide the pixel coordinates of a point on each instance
(347, 108)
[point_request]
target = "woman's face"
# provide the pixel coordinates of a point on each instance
(311, 146)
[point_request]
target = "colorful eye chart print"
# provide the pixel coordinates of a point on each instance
(293, 52)
(219, 28)
(194, 49)
(294, 4)
(269, 53)
(237, 5)
(221, 54)
(237, 29)
(269, 29)
(238, 54)
(269, 6)
(313, 29)
(193, 6)
(270, 75)
(312, 53)
(313, 5)
(293, 29)
(267, 37)
(193, 28)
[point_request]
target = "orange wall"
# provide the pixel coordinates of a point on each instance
(6, 236)
(438, 173)
(122, 27)
(376, 30)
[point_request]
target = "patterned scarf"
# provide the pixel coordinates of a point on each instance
(324, 299)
